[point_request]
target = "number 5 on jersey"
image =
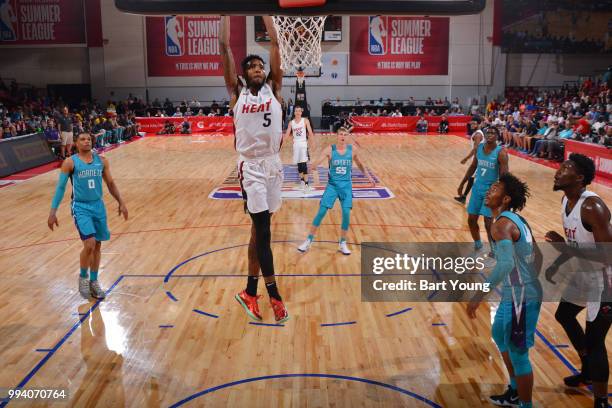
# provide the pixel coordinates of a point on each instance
(267, 120)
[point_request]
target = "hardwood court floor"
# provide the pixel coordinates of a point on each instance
(146, 347)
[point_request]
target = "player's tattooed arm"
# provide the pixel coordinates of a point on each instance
(229, 67)
(112, 188)
(276, 73)
(503, 162)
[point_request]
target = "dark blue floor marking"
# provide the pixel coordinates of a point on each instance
(331, 376)
(171, 296)
(59, 344)
(438, 324)
(337, 324)
(561, 346)
(399, 312)
(44, 350)
(267, 324)
(166, 326)
(205, 314)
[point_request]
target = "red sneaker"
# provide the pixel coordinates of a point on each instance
(280, 313)
(249, 303)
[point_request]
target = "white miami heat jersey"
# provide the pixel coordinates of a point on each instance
(258, 122)
(299, 131)
(572, 223)
(589, 284)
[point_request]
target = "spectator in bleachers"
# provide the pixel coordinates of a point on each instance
(443, 127)
(200, 113)
(168, 129)
(53, 138)
(397, 113)
(421, 125)
(185, 127)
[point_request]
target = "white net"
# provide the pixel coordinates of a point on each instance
(299, 39)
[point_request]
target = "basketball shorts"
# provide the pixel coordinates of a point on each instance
(477, 206)
(502, 327)
(340, 191)
(66, 138)
(90, 220)
(261, 181)
(300, 153)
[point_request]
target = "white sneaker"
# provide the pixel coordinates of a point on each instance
(302, 186)
(96, 290)
(84, 287)
(342, 247)
(305, 246)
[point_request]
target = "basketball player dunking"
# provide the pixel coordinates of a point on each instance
(340, 157)
(302, 133)
(258, 123)
(586, 221)
(489, 163)
(86, 170)
(518, 260)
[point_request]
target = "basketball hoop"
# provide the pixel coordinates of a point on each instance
(299, 40)
(300, 74)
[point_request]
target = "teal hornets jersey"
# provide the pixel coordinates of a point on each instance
(524, 274)
(87, 179)
(487, 171)
(340, 165)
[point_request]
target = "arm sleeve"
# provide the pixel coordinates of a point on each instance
(59, 190)
(505, 262)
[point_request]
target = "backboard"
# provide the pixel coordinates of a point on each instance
(271, 7)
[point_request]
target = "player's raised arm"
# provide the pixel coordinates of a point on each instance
(276, 73)
(229, 67)
(112, 188)
(60, 190)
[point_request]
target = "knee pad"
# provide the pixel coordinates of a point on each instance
(302, 167)
(261, 221)
(520, 362)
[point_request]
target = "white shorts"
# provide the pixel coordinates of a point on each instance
(66, 138)
(300, 153)
(261, 181)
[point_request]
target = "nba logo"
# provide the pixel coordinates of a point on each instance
(175, 38)
(377, 35)
(8, 21)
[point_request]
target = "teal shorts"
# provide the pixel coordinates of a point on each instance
(90, 220)
(477, 206)
(502, 324)
(341, 191)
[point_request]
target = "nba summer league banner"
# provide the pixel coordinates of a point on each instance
(35, 22)
(455, 272)
(189, 45)
(386, 45)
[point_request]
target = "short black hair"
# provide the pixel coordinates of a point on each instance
(247, 61)
(585, 167)
(493, 128)
(517, 190)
